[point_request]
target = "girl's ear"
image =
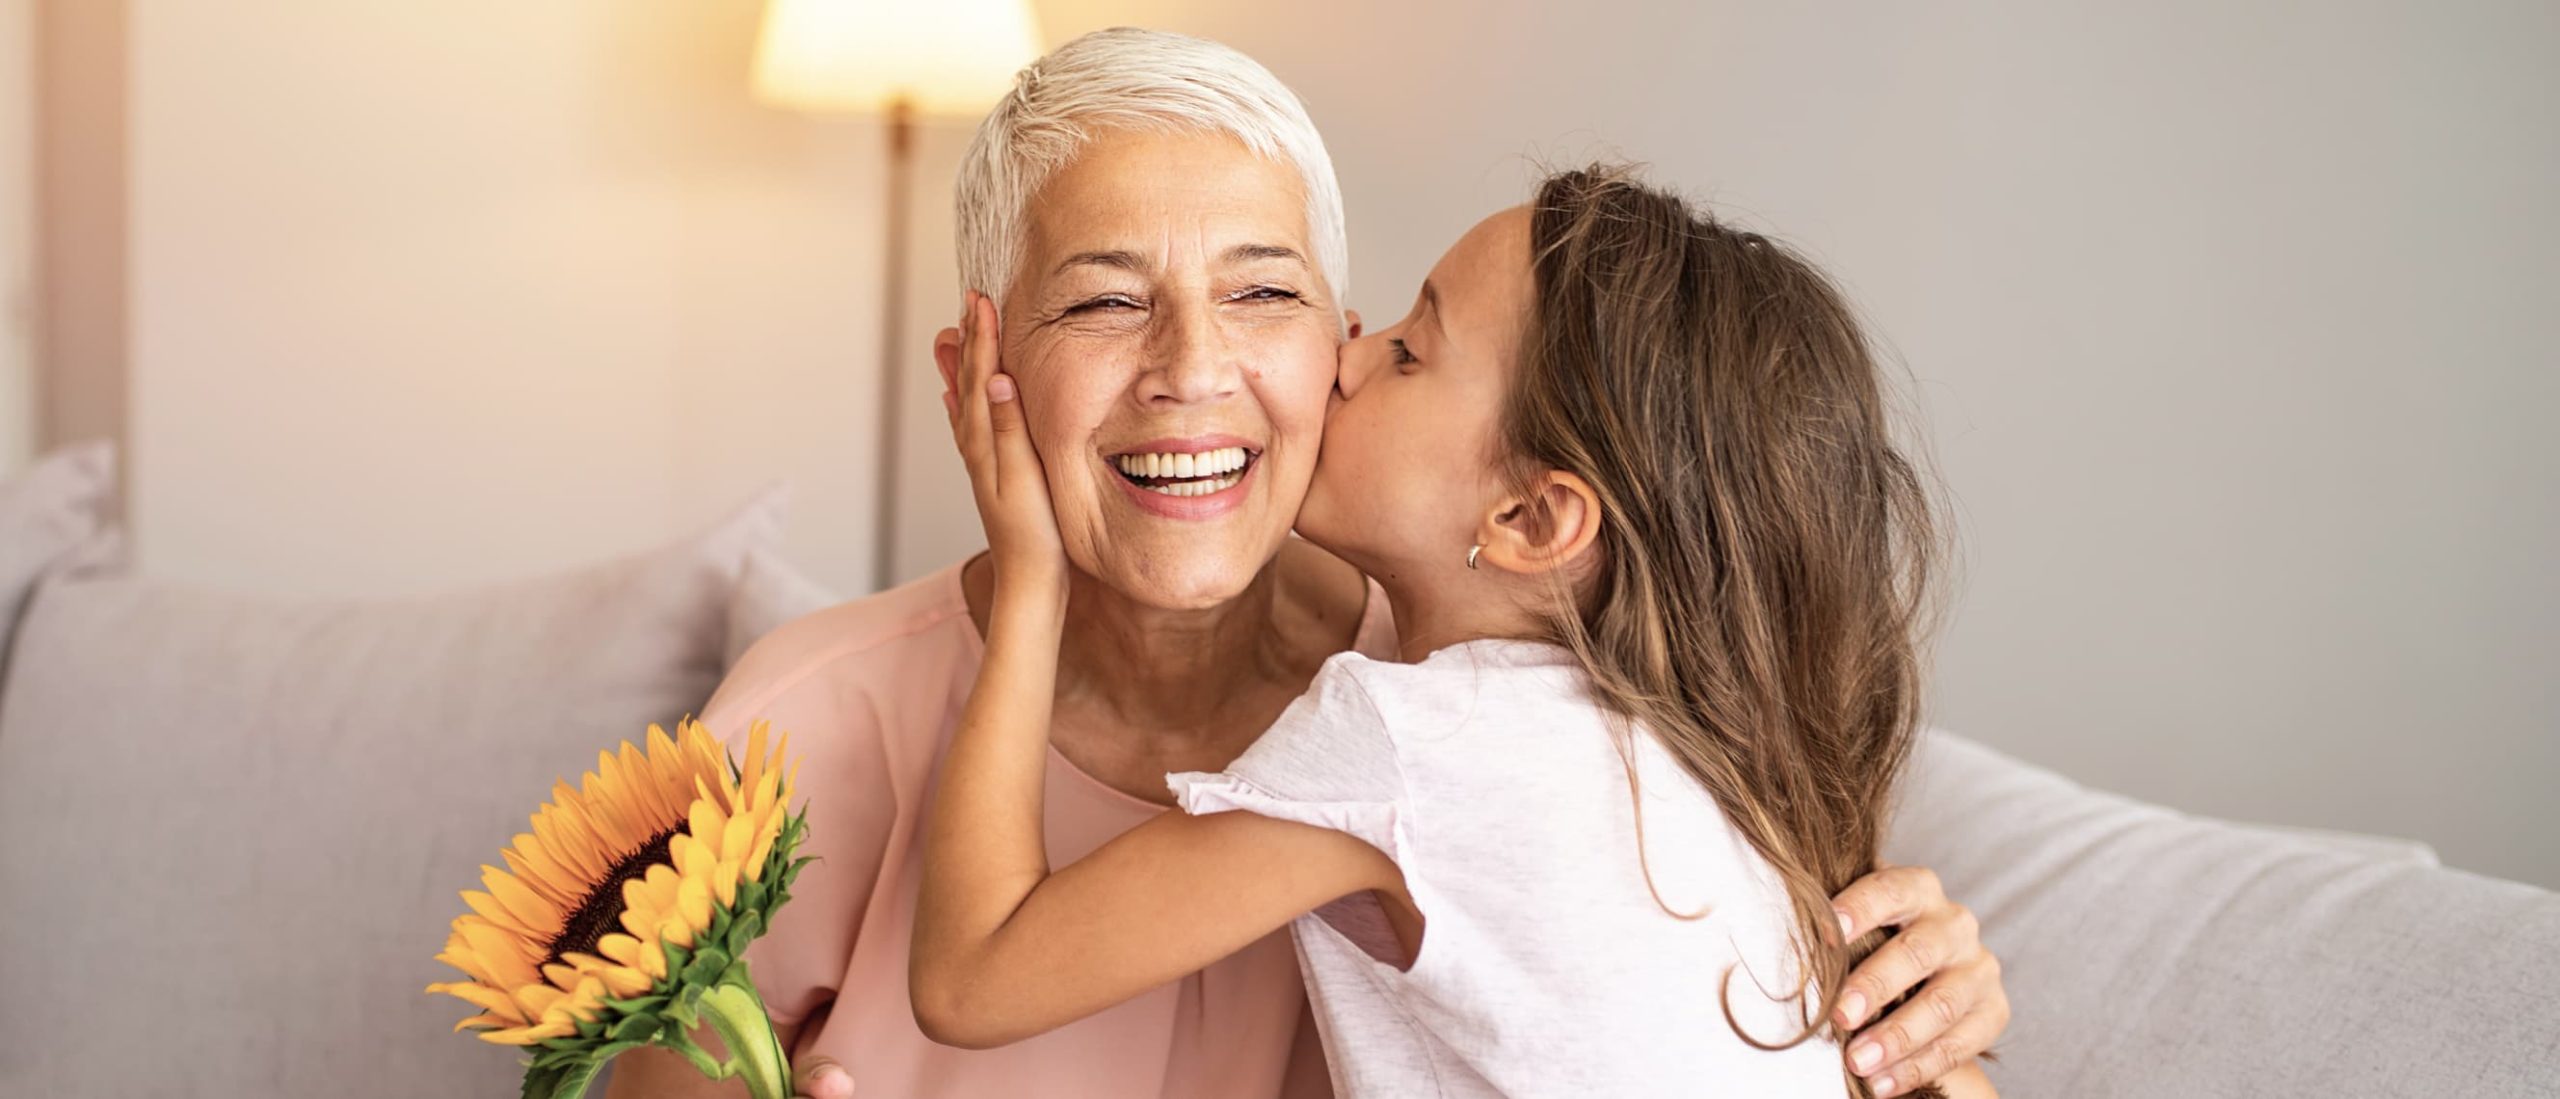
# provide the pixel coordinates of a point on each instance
(1547, 527)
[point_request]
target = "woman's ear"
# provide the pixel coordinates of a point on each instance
(1547, 527)
(946, 359)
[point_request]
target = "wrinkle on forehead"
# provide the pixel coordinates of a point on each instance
(1181, 202)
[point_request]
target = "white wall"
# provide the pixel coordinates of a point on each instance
(2234, 324)
(424, 294)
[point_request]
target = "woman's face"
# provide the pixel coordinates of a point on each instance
(1175, 345)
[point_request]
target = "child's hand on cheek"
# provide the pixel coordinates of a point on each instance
(1005, 474)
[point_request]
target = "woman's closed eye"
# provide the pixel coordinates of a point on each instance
(1399, 353)
(1103, 303)
(1266, 294)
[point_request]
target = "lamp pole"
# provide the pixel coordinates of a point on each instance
(893, 365)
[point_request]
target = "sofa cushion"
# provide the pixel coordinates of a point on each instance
(47, 514)
(239, 826)
(2152, 953)
(771, 592)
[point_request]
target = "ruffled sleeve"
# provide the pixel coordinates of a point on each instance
(1330, 761)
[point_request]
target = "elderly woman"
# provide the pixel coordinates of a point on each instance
(1160, 227)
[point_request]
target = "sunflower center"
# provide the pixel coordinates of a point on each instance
(601, 914)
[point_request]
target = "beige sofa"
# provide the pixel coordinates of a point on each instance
(232, 828)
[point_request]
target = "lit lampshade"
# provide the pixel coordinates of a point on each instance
(942, 57)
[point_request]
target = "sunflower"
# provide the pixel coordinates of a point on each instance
(622, 917)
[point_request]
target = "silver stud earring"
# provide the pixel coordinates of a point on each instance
(1471, 554)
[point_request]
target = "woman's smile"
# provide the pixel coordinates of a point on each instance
(1200, 477)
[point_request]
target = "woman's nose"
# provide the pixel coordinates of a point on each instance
(1192, 360)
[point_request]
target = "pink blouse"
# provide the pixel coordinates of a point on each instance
(870, 692)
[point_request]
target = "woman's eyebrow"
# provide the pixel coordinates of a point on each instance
(1246, 253)
(1120, 260)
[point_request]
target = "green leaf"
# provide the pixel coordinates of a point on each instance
(676, 957)
(707, 965)
(680, 1014)
(543, 1083)
(575, 1078)
(744, 932)
(638, 1005)
(635, 1028)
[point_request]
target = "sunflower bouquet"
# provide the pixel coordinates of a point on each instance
(623, 918)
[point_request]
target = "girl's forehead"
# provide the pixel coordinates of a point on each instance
(1485, 277)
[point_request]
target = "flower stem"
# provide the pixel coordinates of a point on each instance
(734, 1010)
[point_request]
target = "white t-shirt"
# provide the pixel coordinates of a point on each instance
(1547, 967)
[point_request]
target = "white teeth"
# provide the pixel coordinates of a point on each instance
(1197, 488)
(1219, 463)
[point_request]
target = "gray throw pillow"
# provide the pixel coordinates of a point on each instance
(239, 825)
(771, 593)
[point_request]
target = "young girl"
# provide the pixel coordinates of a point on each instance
(1657, 570)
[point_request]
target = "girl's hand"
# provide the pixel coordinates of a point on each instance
(1005, 474)
(1957, 1013)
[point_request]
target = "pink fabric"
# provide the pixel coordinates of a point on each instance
(870, 692)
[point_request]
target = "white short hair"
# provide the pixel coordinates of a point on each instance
(1134, 79)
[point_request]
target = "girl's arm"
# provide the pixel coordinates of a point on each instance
(1003, 948)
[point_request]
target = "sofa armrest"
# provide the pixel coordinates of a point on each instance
(2151, 952)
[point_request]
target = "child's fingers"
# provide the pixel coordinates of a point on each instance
(977, 365)
(966, 402)
(1017, 463)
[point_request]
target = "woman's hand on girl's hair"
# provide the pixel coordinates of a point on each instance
(985, 406)
(1959, 1008)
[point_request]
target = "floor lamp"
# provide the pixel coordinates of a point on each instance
(900, 60)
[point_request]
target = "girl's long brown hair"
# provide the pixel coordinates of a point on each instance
(1763, 587)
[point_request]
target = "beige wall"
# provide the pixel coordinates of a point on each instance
(423, 294)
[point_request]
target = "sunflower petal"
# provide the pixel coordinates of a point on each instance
(536, 999)
(693, 902)
(490, 910)
(483, 997)
(693, 857)
(535, 916)
(724, 884)
(755, 755)
(759, 855)
(534, 865)
(673, 930)
(620, 948)
(503, 953)
(644, 783)
(525, 1036)
(705, 820)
